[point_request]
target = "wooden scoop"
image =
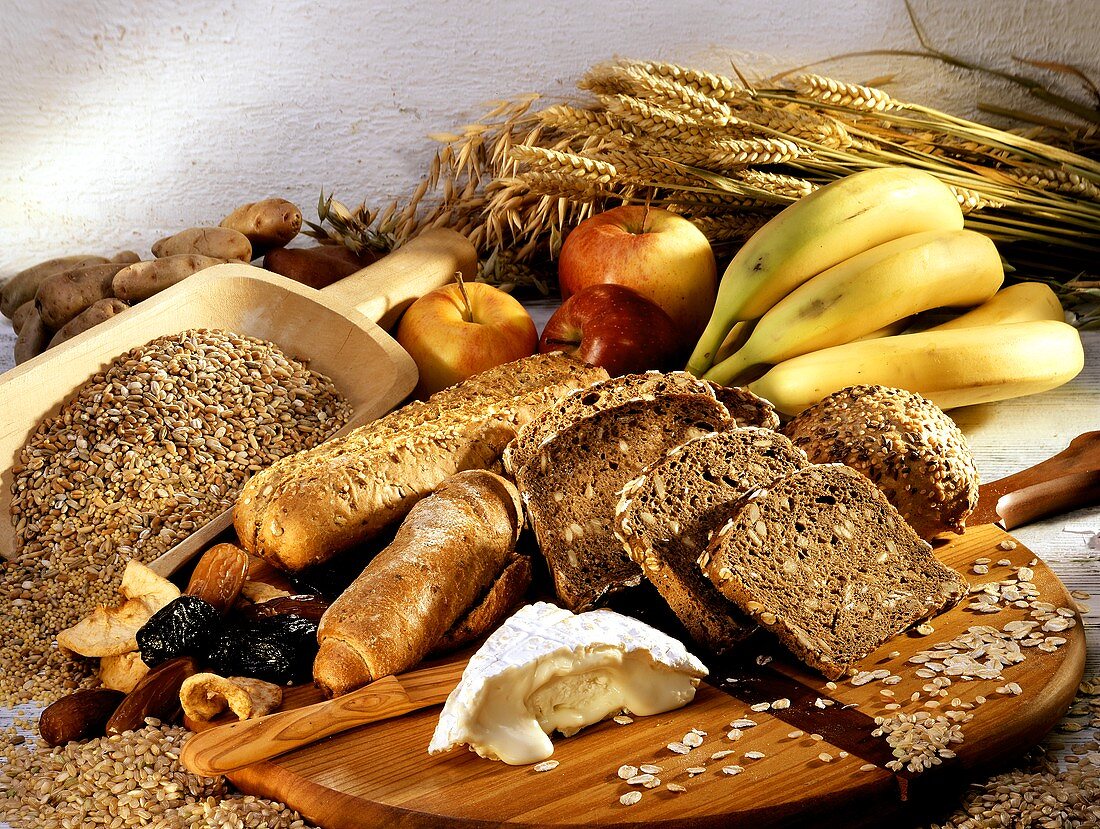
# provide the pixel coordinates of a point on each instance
(334, 330)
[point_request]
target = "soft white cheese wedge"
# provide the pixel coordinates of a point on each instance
(548, 669)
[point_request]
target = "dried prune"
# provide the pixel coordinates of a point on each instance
(277, 649)
(186, 626)
(305, 605)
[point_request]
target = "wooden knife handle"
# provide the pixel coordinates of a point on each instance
(1051, 497)
(1082, 455)
(235, 745)
(383, 290)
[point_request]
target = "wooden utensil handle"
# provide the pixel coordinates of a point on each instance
(227, 748)
(382, 291)
(1082, 455)
(1047, 498)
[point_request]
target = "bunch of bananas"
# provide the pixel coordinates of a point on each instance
(817, 299)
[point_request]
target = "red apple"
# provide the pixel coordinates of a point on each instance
(615, 327)
(451, 339)
(662, 256)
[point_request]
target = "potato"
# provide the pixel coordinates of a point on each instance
(268, 224)
(32, 339)
(66, 294)
(318, 266)
(24, 284)
(143, 279)
(128, 257)
(91, 316)
(22, 313)
(218, 242)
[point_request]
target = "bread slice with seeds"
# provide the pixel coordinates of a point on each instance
(596, 397)
(666, 517)
(823, 560)
(570, 487)
(746, 408)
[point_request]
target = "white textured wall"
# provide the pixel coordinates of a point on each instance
(121, 121)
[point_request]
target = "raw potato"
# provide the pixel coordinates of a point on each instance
(218, 242)
(64, 295)
(33, 338)
(268, 224)
(90, 317)
(22, 287)
(205, 696)
(22, 314)
(144, 279)
(127, 257)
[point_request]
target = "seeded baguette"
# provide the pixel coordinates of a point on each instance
(596, 397)
(827, 565)
(570, 487)
(449, 550)
(308, 507)
(904, 443)
(666, 516)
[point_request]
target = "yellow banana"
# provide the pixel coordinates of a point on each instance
(832, 224)
(958, 367)
(939, 268)
(1023, 302)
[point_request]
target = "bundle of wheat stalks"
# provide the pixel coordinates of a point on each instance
(729, 155)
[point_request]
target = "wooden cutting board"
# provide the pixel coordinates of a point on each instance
(381, 774)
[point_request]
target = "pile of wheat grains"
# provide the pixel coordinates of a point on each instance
(126, 780)
(145, 451)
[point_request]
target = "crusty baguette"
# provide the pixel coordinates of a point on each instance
(305, 508)
(450, 548)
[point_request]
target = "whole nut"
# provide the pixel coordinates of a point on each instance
(218, 576)
(79, 715)
(156, 695)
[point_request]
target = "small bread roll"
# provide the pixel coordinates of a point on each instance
(904, 443)
(449, 550)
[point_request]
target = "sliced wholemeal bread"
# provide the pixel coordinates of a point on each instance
(823, 560)
(746, 408)
(570, 487)
(666, 517)
(904, 443)
(307, 507)
(596, 397)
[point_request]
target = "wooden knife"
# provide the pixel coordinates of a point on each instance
(1069, 480)
(233, 746)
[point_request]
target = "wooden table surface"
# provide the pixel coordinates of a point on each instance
(1005, 437)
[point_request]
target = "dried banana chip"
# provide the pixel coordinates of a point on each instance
(122, 672)
(205, 696)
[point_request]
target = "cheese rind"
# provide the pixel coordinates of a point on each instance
(548, 669)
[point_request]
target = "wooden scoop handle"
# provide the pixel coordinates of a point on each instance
(383, 290)
(1058, 484)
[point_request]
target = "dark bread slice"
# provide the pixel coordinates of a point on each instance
(571, 486)
(666, 517)
(596, 397)
(746, 408)
(824, 562)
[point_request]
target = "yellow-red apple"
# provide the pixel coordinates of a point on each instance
(452, 337)
(662, 256)
(614, 327)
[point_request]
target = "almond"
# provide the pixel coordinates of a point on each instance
(218, 576)
(156, 695)
(79, 715)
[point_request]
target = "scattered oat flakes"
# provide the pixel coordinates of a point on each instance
(641, 779)
(763, 659)
(545, 765)
(626, 772)
(868, 767)
(825, 757)
(732, 770)
(694, 770)
(649, 768)
(798, 732)
(925, 629)
(630, 798)
(734, 734)
(755, 755)
(1004, 562)
(692, 740)
(623, 719)
(1008, 544)
(744, 722)
(675, 787)
(678, 748)
(781, 704)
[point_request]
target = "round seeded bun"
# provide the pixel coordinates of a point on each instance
(904, 443)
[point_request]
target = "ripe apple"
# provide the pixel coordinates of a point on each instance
(662, 256)
(615, 327)
(460, 329)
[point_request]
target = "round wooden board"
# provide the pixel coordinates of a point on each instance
(381, 775)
